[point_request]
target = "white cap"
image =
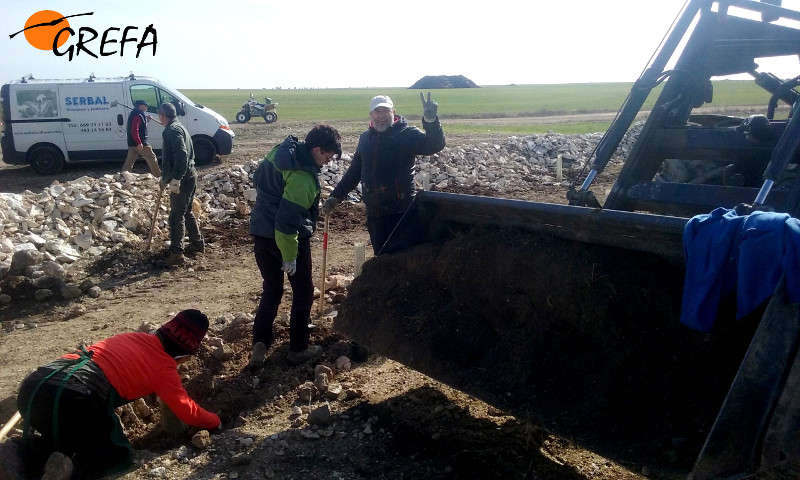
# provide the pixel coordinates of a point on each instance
(381, 101)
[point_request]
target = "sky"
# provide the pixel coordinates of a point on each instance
(352, 43)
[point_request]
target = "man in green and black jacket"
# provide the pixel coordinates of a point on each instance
(282, 222)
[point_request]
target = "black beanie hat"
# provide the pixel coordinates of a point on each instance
(182, 335)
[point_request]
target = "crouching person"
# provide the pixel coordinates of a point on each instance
(70, 402)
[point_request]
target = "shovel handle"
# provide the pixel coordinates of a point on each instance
(153, 221)
(324, 265)
(9, 425)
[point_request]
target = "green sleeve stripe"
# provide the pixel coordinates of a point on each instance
(287, 244)
(301, 189)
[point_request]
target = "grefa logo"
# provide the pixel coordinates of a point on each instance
(48, 29)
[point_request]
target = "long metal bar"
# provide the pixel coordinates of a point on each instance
(658, 234)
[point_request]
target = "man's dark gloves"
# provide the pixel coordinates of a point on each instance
(330, 204)
(429, 108)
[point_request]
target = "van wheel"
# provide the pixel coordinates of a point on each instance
(204, 150)
(46, 159)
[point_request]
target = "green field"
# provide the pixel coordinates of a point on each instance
(480, 104)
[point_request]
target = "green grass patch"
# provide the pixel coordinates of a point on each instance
(351, 104)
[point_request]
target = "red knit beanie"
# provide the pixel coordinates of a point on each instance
(182, 335)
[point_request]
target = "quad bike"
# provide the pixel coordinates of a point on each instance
(252, 108)
(755, 156)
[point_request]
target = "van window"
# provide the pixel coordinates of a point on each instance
(148, 93)
(37, 103)
(167, 97)
(154, 97)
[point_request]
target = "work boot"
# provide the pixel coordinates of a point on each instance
(58, 467)
(258, 356)
(198, 247)
(310, 353)
(175, 258)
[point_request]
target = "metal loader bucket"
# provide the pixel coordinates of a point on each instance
(434, 216)
(560, 314)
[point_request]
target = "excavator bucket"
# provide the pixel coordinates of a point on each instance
(569, 315)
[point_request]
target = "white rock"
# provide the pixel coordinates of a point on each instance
(81, 201)
(110, 225)
(84, 240)
(6, 245)
(24, 246)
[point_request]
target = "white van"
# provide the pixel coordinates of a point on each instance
(48, 123)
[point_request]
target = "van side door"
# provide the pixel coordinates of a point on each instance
(94, 121)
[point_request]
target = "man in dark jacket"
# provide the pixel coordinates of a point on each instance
(384, 164)
(137, 140)
(282, 222)
(179, 174)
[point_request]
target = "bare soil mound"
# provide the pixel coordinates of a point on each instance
(582, 339)
(444, 81)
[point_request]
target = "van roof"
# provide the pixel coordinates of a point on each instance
(90, 79)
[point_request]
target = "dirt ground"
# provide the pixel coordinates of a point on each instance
(590, 377)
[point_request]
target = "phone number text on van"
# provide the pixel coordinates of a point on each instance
(91, 127)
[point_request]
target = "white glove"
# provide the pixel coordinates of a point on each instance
(175, 186)
(290, 267)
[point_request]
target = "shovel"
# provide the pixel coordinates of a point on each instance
(324, 265)
(153, 220)
(9, 425)
(114, 103)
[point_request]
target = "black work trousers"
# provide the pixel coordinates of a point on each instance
(181, 218)
(380, 228)
(269, 260)
(82, 427)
